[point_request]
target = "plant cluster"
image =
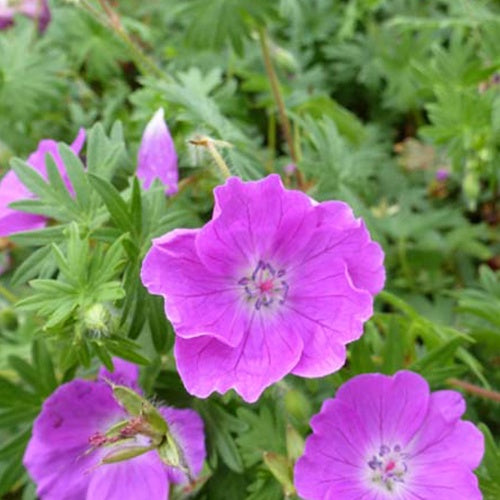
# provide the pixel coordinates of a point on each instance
(127, 247)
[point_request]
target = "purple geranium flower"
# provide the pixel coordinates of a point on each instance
(157, 158)
(12, 189)
(36, 9)
(274, 283)
(442, 174)
(385, 438)
(64, 453)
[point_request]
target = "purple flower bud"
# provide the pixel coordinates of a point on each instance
(157, 158)
(442, 174)
(290, 169)
(36, 9)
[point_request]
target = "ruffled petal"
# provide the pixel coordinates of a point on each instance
(341, 235)
(330, 311)
(443, 437)
(392, 408)
(197, 302)
(268, 351)
(333, 462)
(255, 221)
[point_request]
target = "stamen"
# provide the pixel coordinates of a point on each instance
(388, 466)
(265, 286)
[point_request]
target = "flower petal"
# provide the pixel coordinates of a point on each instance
(124, 373)
(342, 236)
(268, 351)
(392, 408)
(197, 302)
(330, 310)
(443, 437)
(446, 481)
(13, 221)
(187, 428)
(55, 457)
(255, 221)
(141, 477)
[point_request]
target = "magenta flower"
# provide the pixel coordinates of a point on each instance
(274, 283)
(12, 189)
(290, 168)
(67, 445)
(442, 174)
(157, 158)
(36, 9)
(385, 438)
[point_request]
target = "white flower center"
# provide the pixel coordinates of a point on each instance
(265, 286)
(388, 467)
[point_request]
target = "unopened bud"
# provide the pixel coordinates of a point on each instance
(97, 319)
(281, 469)
(294, 443)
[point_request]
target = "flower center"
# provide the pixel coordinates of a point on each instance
(388, 467)
(265, 286)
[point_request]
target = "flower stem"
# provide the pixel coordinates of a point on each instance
(209, 144)
(7, 294)
(474, 389)
(280, 103)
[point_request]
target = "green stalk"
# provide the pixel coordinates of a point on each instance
(280, 103)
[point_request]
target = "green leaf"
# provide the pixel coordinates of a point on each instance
(117, 208)
(31, 267)
(161, 332)
(76, 174)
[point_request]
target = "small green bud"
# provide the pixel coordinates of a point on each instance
(298, 405)
(8, 320)
(294, 443)
(471, 187)
(97, 319)
(281, 469)
(485, 155)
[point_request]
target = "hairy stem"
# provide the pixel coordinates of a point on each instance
(280, 103)
(8, 295)
(209, 144)
(474, 389)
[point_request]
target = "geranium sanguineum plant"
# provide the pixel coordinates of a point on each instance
(157, 158)
(97, 440)
(274, 284)
(390, 438)
(12, 189)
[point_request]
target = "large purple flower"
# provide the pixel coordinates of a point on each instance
(157, 158)
(385, 438)
(36, 9)
(274, 283)
(64, 454)
(12, 189)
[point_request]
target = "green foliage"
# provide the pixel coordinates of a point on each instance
(381, 95)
